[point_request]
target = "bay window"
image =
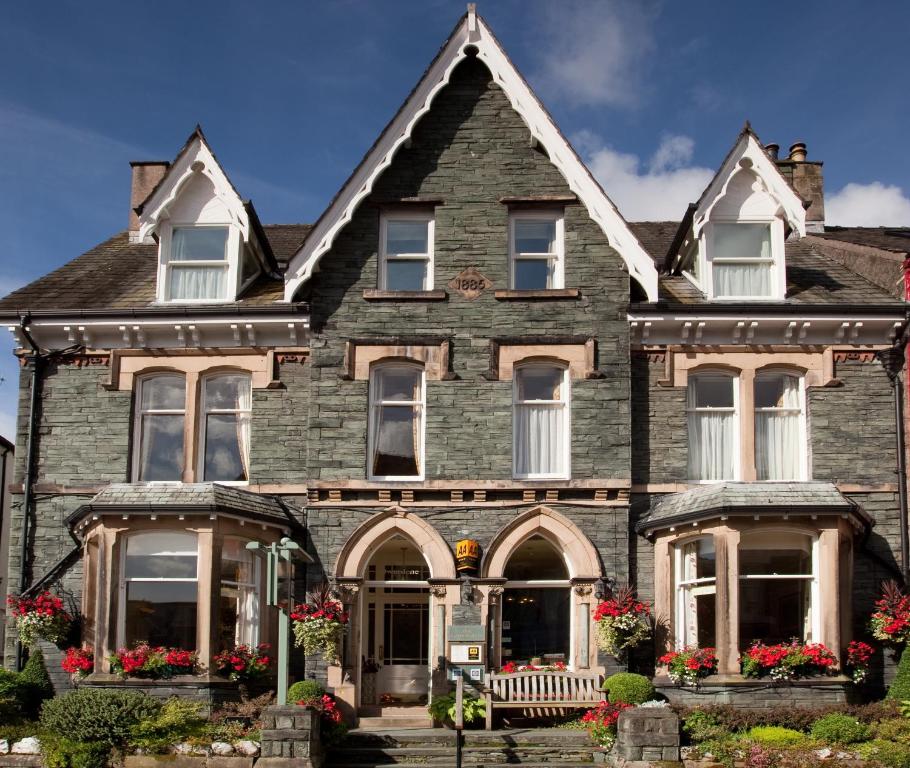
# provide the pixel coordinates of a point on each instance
(536, 251)
(779, 453)
(239, 595)
(540, 422)
(159, 590)
(696, 593)
(713, 430)
(777, 582)
(197, 264)
(396, 438)
(225, 427)
(406, 252)
(160, 418)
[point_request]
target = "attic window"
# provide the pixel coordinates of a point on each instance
(742, 260)
(197, 264)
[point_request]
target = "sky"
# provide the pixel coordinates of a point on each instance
(292, 94)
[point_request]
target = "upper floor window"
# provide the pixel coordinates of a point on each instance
(197, 264)
(540, 422)
(742, 263)
(160, 419)
(536, 251)
(397, 403)
(406, 252)
(779, 452)
(712, 415)
(225, 426)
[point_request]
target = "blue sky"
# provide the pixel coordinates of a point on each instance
(291, 94)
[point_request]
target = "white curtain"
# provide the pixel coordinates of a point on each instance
(711, 445)
(244, 404)
(192, 283)
(539, 440)
(777, 436)
(742, 279)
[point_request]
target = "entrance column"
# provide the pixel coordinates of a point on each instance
(344, 679)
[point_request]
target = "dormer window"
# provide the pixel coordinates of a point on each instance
(197, 265)
(742, 264)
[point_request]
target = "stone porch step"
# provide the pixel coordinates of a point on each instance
(472, 755)
(427, 737)
(398, 721)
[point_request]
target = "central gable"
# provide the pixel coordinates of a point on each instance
(471, 38)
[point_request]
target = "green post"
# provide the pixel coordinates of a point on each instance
(286, 550)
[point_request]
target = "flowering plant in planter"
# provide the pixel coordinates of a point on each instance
(689, 665)
(318, 624)
(601, 721)
(153, 663)
(622, 622)
(890, 622)
(788, 661)
(858, 656)
(41, 617)
(331, 726)
(244, 662)
(79, 662)
(510, 668)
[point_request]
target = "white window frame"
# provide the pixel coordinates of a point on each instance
(777, 278)
(201, 429)
(230, 263)
(427, 217)
(375, 404)
(803, 470)
(565, 403)
(813, 578)
(737, 417)
(255, 585)
(558, 257)
(124, 581)
(139, 412)
(706, 585)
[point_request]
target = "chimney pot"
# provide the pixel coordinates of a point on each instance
(798, 152)
(146, 175)
(773, 150)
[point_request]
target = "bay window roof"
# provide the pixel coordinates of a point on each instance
(765, 499)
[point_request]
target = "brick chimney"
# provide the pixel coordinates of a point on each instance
(805, 176)
(146, 174)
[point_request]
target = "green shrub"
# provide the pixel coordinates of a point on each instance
(177, 720)
(839, 729)
(442, 709)
(34, 684)
(890, 754)
(893, 729)
(10, 705)
(776, 736)
(735, 719)
(64, 753)
(101, 715)
(629, 688)
(305, 690)
(899, 689)
(702, 726)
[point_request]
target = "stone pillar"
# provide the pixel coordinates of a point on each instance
(648, 734)
(290, 738)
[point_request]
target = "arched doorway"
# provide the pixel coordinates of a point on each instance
(536, 605)
(396, 624)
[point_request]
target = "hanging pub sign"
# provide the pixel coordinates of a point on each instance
(467, 555)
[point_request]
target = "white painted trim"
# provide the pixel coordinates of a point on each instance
(541, 126)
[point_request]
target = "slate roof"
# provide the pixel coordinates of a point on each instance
(738, 498)
(118, 274)
(896, 239)
(813, 276)
(182, 498)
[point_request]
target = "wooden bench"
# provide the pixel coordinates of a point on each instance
(541, 692)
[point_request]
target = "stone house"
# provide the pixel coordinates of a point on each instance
(471, 343)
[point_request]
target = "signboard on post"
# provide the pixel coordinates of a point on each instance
(466, 653)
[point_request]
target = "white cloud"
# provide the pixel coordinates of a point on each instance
(661, 192)
(868, 205)
(594, 53)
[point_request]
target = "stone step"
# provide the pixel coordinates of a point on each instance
(481, 764)
(385, 723)
(444, 737)
(472, 755)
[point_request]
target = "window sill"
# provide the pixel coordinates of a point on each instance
(549, 293)
(373, 294)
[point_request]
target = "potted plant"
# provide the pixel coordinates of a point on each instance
(39, 618)
(623, 622)
(442, 709)
(319, 624)
(689, 665)
(368, 670)
(78, 662)
(153, 663)
(244, 663)
(788, 661)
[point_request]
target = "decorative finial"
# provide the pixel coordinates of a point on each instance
(472, 17)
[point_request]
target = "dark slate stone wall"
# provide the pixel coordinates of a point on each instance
(659, 429)
(471, 150)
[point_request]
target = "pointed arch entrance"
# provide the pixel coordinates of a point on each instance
(540, 570)
(398, 579)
